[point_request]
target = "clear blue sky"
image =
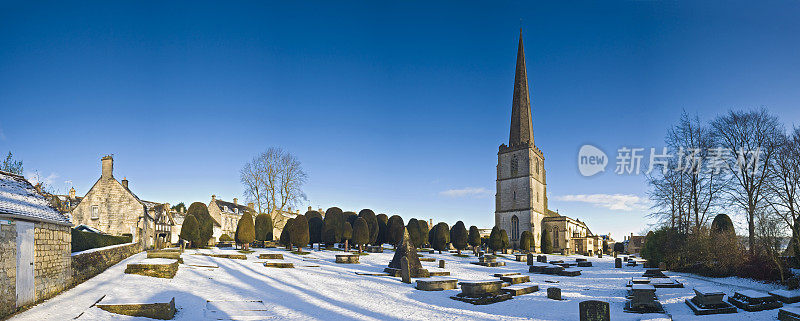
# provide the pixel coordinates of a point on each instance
(389, 105)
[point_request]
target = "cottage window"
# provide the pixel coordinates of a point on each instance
(95, 212)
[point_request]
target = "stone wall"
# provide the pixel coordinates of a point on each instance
(8, 267)
(52, 263)
(93, 262)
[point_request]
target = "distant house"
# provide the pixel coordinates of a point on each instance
(35, 245)
(227, 214)
(112, 208)
(63, 203)
(177, 218)
(634, 244)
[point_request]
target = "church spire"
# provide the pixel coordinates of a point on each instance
(521, 125)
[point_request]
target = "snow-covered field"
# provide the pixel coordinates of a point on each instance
(317, 288)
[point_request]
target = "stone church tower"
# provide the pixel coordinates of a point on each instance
(521, 198)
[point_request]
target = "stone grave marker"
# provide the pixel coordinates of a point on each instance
(618, 263)
(441, 264)
(593, 310)
(554, 293)
(530, 259)
(709, 301)
(750, 300)
(405, 273)
(408, 251)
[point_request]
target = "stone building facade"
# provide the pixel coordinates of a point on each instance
(227, 214)
(571, 236)
(35, 244)
(111, 207)
(521, 197)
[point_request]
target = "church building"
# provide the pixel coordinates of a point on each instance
(521, 198)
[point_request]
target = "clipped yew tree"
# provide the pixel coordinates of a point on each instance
(372, 224)
(360, 233)
(441, 237)
(264, 227)
(413, 232)
(395, 229)
(286, 237)
(311, 214)
(547, 245)
(245, 231)
(350, 217)
(459, 236)
(525, 241)
(504, 239)
(474, 238)
(316, 227)
(299, 232)
(347, 234)
(329, 236)
(423, 232)
(205, 222)
(190, 230)
(495, 240)
(383, 226)
(334, 221)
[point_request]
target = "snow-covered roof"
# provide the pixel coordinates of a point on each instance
(18, 198)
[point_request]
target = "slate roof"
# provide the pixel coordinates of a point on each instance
(229, 207)
(18, 198)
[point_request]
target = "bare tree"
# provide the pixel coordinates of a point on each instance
(752, 139)
(784, 186)
(273, 181)
(685, 190)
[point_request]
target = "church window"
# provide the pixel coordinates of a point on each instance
(95, 212)
(555, 237)
(514, 165)
(514, 228)
(537, 166)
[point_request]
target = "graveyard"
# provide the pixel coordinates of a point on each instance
(217, 284)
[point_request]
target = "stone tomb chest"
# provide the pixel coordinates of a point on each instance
(750, 300)
(709, 301)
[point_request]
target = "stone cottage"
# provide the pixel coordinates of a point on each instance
(111, 207)
(227, 215)
(35, 246)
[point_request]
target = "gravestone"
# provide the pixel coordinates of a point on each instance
(406, 250)
(752, 301)
(161, 311)
(662, 266)
(600, 255)
(441, 264)
(709, 301)
(554, 293)
(530, 259)
(643, 300)
(618, 263)
(437, 284)
(405, 274)
(541, 259)
(482, 292)
(593, 310)
(786, 296)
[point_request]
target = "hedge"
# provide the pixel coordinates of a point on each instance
(82, 241)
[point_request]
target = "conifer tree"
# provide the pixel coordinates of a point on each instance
(372, 224)
(360, 233)
(300, 235)
(190, 230)
(245, 231)
(458, 236)
(474, 238)
(264, 227)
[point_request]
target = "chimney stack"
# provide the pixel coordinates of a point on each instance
(213, 198)
(72, 193)
(108, 166)
(309, 209)
(235, 201)
(125, 182)
(251, 206)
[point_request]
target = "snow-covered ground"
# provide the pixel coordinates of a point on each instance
(317, 288)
